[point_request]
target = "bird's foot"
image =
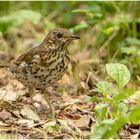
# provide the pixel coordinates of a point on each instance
(48, 102)
(52, 109)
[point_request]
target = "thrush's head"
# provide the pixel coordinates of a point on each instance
(60, 37)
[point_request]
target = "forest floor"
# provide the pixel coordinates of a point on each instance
(21, 117)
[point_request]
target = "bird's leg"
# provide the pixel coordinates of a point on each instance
(31, 94)
(49, 103)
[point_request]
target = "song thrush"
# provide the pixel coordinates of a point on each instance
(44, 65)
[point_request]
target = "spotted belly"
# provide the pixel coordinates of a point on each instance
(40, 76)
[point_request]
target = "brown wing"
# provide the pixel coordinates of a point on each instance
(27, 57)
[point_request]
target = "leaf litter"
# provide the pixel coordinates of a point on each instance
(17, 109)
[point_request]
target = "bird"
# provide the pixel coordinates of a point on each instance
(42, 66)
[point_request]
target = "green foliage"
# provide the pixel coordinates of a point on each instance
(128, 50)
(107, 128)
(101, 130)
(109, 30)
(124, 94)
(101, 110)
(134, 116)
(17, 18)
(94, 14)
(116, 28)
(112, 111)
(103, 87)
(119, 73)
(133, 41)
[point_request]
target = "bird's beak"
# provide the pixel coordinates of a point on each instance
(73, 37)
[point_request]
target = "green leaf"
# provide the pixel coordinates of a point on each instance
(101, 110)
(128, 50)
(133, 41)
(103, 87)
(124, 94)
(122, 108)
(110, 30)
(95, 9)
(107, 128)
(94, 99)
(119, 72)
(119, 123)
(134, 116)
(80, 11)
(100, 130)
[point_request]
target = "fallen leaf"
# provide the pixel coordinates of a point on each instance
(83, 122)
(39, 98)
(29, 114)
(64, 124)
(24, 122)
(8, 95)
(70, 115)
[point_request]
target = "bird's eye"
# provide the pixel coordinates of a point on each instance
(59, 35)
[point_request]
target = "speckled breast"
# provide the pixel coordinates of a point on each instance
(42, 72)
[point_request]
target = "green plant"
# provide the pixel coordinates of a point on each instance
(119, 73)
(112, 110)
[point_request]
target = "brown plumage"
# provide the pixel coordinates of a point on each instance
(44, 65)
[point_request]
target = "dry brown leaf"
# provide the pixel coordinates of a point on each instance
(64, 125)
(83, 122)
(71, 115)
